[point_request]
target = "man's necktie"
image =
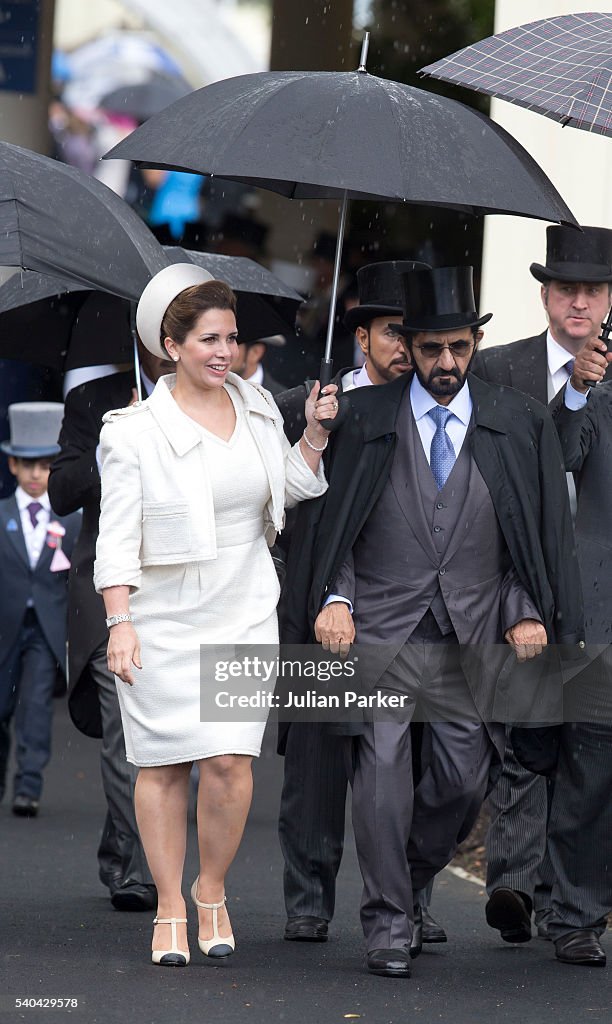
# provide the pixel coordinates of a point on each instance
(34, 508)
(442, 456)
(569, 366)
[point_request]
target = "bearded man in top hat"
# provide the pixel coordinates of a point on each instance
(576, 283)
(312, 811)
(429, 547)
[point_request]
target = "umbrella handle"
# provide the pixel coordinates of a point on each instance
(606, 335)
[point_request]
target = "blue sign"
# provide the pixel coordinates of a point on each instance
(19, 21)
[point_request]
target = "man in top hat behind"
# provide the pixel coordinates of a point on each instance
(576, 282)
(312, 811)
(429, 539)
(35, 549)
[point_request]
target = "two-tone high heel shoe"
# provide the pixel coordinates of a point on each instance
(218, 946)
(173, 957)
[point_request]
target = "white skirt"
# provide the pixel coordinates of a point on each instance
(229, 600)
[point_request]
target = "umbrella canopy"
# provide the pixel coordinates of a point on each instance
(325, 135)
(560, 67)
(57, 220)
(144, 99)
(58, 323)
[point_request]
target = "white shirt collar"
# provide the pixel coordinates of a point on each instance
(557, 356)
(23, 500)
(422, 402)
(361, 378)
(257, 377)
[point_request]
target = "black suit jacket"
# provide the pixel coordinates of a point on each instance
(75, 483)
(47, 589)
(520, 364)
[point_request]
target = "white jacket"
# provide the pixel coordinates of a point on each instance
(157, 505)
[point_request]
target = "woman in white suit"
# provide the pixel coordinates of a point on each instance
(194, 484)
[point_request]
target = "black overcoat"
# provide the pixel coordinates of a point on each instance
(75, 483)
(516, 449)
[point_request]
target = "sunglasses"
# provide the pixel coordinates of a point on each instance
(433, 350)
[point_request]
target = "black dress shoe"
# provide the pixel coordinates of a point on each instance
(306, 929)
(134, 897)
(390, 963)
(416, 943)
(25, 807)
(510, 913)
(580, 947)
(432, 931)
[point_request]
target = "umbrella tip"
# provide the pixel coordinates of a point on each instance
(364, 52)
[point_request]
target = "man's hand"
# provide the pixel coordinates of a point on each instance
(527, 638)
(123, 651)
(591, 365)
(334, 628)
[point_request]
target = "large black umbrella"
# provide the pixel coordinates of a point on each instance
(55, 219)
(560, 67)
(143, 99)
(346, 135)
(58, 323)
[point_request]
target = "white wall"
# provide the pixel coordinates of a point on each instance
(579, 165)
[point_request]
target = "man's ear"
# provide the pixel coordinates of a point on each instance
(478, 338)
(544, 296)
(12, 464)
(363, 339)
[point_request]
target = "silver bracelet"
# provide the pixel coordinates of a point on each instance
(311, 445)
(113, 620)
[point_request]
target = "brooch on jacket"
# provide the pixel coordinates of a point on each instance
(55, 532)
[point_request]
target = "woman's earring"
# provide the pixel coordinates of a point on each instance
(176, 359)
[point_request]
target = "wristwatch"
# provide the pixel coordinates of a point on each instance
(114, 619)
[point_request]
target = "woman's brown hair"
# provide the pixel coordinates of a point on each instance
(184, 311)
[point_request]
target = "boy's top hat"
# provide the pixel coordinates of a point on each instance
(35, 428)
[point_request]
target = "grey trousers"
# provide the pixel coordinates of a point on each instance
(311, 819)
(404, 835)
(516, 845)
(121, 857)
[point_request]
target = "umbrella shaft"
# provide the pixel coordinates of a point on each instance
(334, 294)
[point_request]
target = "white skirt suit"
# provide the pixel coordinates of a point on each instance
(186, 519)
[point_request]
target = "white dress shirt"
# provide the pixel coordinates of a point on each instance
(556, 357)
(456, 425)
(257, 377)
(355, 379)
(34, 536)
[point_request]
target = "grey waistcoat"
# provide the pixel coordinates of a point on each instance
(422, 548)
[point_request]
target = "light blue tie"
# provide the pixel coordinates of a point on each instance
(442, 456)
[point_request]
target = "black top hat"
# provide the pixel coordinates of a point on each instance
(573, 255)
(380, 291)
(440, 300)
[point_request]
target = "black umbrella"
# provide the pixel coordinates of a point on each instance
(58, 323)
(346, 135)
(560, 67)
(144, 99)
(55, 219)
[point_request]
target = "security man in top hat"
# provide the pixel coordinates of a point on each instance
(35, 550)
(429, 539)
(575, 285)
